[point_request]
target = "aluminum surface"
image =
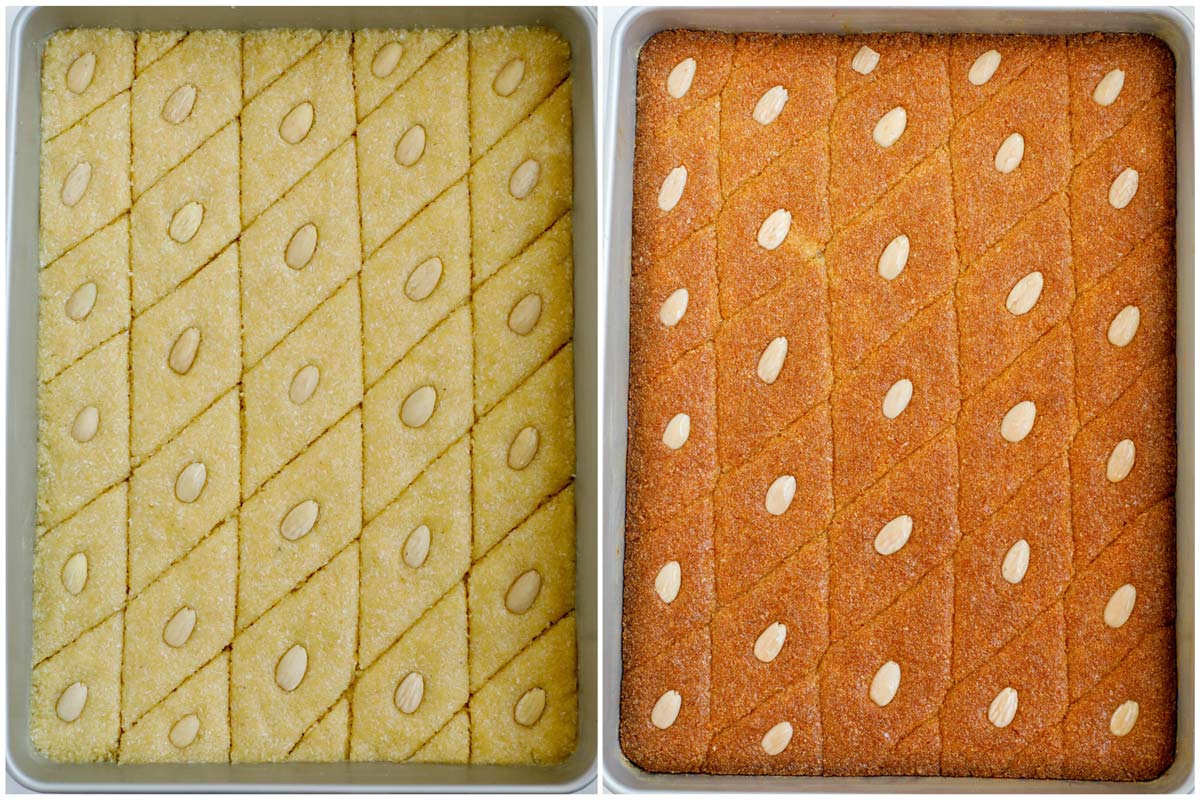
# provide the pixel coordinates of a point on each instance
(631, 32)
(28, 36)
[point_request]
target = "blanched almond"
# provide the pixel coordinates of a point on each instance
(897, 398)
(530, 707)
(299, 520)
(386, 59)
(1025, 294)
(666, 710)
(885, 684)
(410, 692)
(1120, 606)
(1109, 87)
(523, 448)
(1018, 422)
(418, 407)
(509, 77)
(780, 494)
(864, 61)
(894, 535)
(423, 280)
(894, 258)
(774, 229)
(776, 740)
(1124, 326)
(75, 573)
(291, 668)
(523, 592)
(675, 435)
(81, 72)
(183, 351)
(184, 731)
(1120, 461)
(984, 68)
(680, 79)
(304, 384)
(770, 642)
(667, 582)
(190, 482)
(673, 308)
(890, 127)
(1016, 562)
(186, 222)
(525, 314)
(1003, 707)
(411, 146)
(1123, 188)
(301, 247)
(672, 188)
(179, 627)
(81, 302)
(771, 361)
(1010, 153)
(86, 423)
(76, 183)
(179, 105)
(296, 124)
(770, 105)
(524, 178)
(1124, 718)
(416, 546)
(71, 702)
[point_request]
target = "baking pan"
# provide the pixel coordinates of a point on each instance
(27, 38)
(631, 32)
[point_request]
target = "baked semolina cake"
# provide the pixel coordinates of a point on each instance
(306, 401)
(901, 451)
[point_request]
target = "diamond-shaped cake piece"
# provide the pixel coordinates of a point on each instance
(294, 662)
(670, 477)
(298, 252)
(185, 97)
(1147, 677)
(268, 53)
(79, 572)
(84, 298)
(385, 58)
(83, 430)
(523, 184)
(741, 748)
(799, 71)
(527, 713)
(1141, 474)
(1146, 64)
(775, 221)
(892, 535)
(84, 178)
(413, 282)
(772, 636)
(153, 45)
(405, 697)
(878, 418)
(680, 287)
(872, 293)
(712, 53)
(989, 201)
(861, 168)
(866, 57)
(415, 551)
(973, 79)
(680, 667)
(1017, 292)
(523, 314)
(414, 145)
(184, 352)
(522, 585)
(523, 451)
(451, 745)
(75, 697)
(772, 364)
(417, 410)
(179, 622)
(1028, 676)
(914, 634)
(1125, 324)
(295, 123)
(1000, 584)
(1105, 620)
(302, 387)
(679, 163)
(686, 541)
(185, 219)
(503, 95)
(83, 68)
(768, 507)
(190, 726)
(1015, 426)
(300, 518)
(1103, 233)
(181, 492)
(329, 737)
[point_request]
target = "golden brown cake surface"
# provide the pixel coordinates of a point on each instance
(901, 466)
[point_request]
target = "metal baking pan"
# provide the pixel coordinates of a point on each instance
(27, 38)
(630, 33)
